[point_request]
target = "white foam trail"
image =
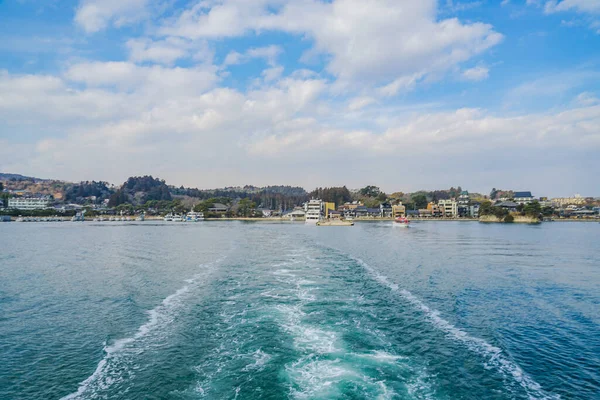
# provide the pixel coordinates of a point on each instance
(494, 355)
(160, 315)
(261, 359)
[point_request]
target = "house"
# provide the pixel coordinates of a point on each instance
(434, 209)
(361, 211)
(385, 210)
(523, 197)
(373, 212)
(511, 206)
(297, 213)
(448, 208)
(425, 213)
(334, 214)
(218, 208)
(412, 213)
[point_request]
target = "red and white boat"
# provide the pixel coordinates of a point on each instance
(402, 222)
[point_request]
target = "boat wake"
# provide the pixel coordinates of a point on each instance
(325, 366)
(114, 368)
(494, 356)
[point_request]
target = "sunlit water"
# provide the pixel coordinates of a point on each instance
(225, 310)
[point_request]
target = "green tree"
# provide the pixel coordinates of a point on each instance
(486, 208)
(245, 207)
(369, 191)
(420, 200)
(533, 209)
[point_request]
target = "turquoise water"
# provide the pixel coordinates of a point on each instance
(225, 310)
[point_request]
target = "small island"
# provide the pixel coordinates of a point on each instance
(510, 212)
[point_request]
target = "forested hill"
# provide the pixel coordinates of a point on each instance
(139, 190)
(17, 177)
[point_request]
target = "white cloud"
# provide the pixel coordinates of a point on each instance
(167, 51)
(476, 74)
(117, 125)
(96, 15)
(582, 6)
(587, 99)
(155, 80)
(463, 131)
(383, 42)
(269, 53)
(358, 103)
(272, 74)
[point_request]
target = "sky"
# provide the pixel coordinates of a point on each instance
(401, 94)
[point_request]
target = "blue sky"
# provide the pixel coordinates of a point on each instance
(401, 94)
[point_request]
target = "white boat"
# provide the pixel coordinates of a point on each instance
(313, 212)
(177, 218)
(168, 217)
(20, 219)
(194, 216)
(79, 217)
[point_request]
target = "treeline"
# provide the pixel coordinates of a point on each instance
(337, 195)
(271, 197)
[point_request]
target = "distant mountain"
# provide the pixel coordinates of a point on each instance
(18, 177)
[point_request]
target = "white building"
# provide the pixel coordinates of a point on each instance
(523, 197)
(565, 201)
(30, 203)
(449, 208)
(314, 211)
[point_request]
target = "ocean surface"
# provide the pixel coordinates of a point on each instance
(238, 310)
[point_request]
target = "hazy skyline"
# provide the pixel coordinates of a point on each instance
(404, 95)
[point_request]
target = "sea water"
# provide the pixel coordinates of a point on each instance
(226, 310)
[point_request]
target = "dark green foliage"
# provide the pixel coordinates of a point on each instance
(486, 208)
(246, 208)
(337, 195)
(533, 209)
(77, 192)
(271, 197)
(419, 200)
(140, 190)
(117, 198)
(509, 219)
(369, 191)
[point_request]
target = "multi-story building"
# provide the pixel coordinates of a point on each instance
(434, 209)
(577, 200)
(385, 210)
(327, 208)
(30, 203)
(523, 197)
(463, 204)
(474, 210)
(449, 208)
(399, 211)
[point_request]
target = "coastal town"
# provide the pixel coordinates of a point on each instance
(30, 199)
